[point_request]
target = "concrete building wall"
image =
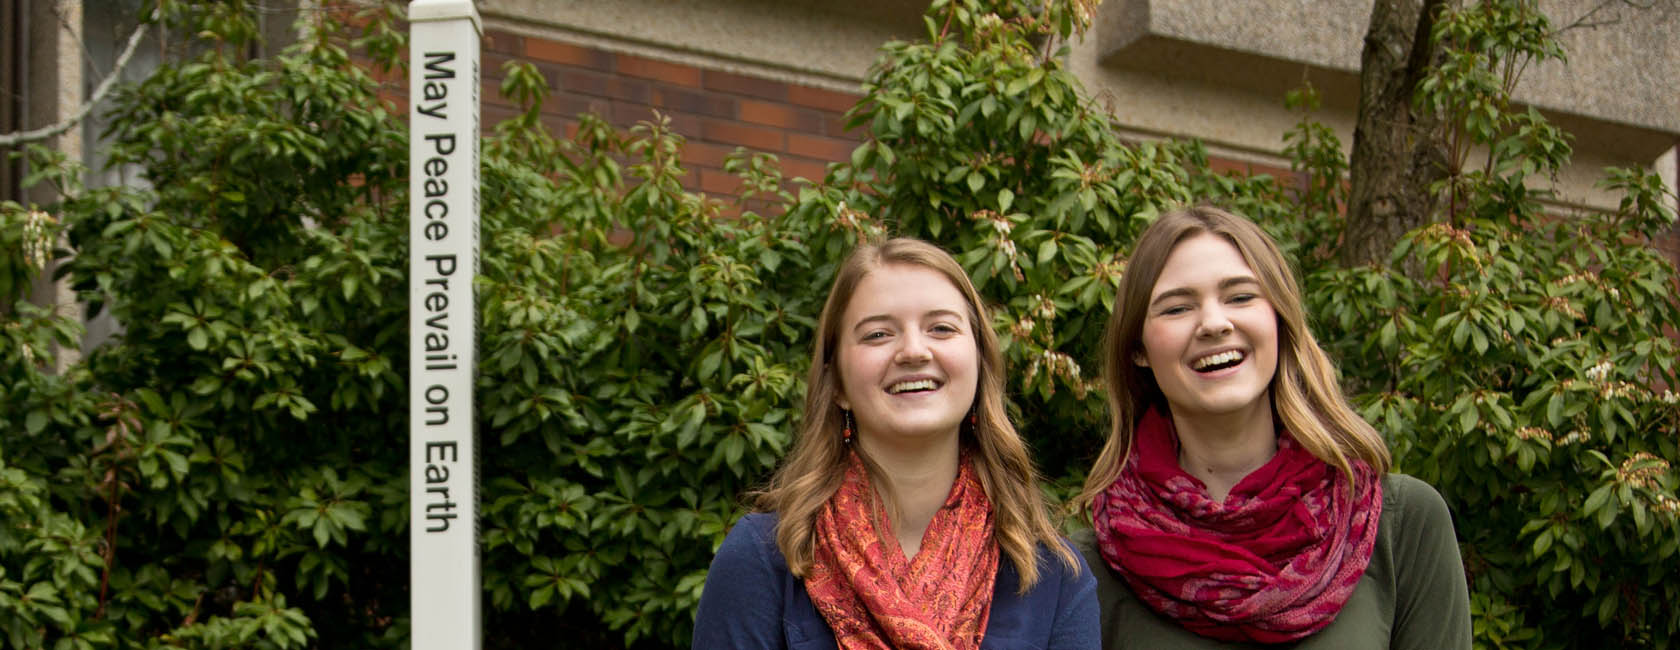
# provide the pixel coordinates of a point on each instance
(776, 75)
(49, 91)
(1215, 70)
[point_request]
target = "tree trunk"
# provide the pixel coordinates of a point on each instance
(1399, 150)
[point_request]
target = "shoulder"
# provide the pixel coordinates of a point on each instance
(1054, 572)
(760, 525)
(746, 593)
(1052, 558)
(1059, 611)
(1409, 504)
(1431, 601)
(748, 555)
(752, 539)
(1084, 542)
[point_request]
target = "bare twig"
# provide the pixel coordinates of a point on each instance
(20, 137)
(1586, 21)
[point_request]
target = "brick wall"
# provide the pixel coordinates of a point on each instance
(715, 111)
(1669, 242)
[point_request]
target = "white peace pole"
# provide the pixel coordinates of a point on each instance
(442, 324)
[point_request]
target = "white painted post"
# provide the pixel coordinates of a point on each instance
(443, 153)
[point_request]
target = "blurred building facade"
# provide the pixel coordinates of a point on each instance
(777, 75)
(774, 75)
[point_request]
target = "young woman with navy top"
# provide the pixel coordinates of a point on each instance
(907, 514)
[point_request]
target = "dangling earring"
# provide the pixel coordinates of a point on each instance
(846, 435)
(973, 424)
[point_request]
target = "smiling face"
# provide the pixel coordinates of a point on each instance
(1209, 335)
(907, 355)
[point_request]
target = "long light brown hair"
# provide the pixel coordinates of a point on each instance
(814, 468)
(1306, 397)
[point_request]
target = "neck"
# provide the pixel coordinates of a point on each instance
(1222, 449)
(918, 476)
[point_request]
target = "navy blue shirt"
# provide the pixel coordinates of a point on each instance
(751, 600)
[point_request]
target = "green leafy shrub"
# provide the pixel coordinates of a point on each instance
(1519, 362)
(981, 139)
(229, 472)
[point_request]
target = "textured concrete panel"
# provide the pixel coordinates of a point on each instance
(806, 41)
(1215, 70)
(1623, 67)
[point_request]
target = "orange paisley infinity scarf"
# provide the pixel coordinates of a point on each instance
(1273, 563)
(872, 597)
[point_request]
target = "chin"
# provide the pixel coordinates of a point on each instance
(924, 431)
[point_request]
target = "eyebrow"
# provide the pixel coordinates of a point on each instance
(1225, 284)
(883, 317)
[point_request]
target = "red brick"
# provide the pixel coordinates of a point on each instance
(542, 49)
(747, 135)
(780, 115)
(698, 102)
(766, 208)
(561, 127)
(491, 115)
(673, 73)
(626, 114)
(496, 40)
(715, 181)
(601, 85)
(490, 65)
(835, 127)
(687, 126)
(490, 92)
(822, 98)
(704, 154)
(571, 106)
(814, 170)
(759, 87)
(1669, 245)
(1244, 168)
(621, 237)
(820, 147)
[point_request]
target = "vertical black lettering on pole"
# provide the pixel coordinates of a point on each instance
(445, 585)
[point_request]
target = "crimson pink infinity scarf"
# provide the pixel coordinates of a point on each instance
(1274, 563)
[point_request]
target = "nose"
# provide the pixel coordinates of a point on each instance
(1214, 322)
(913, 348)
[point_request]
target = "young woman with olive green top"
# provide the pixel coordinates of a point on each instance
(1239, 501)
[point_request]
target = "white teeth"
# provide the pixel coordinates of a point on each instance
(1227, 356)
(920, 384)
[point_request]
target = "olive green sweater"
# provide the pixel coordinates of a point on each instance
(1412, 596)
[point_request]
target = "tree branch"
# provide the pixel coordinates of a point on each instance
(22, 137)
(1586, 20)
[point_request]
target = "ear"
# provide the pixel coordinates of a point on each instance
(843, 402)
(1140, 360)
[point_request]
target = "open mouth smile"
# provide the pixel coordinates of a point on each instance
(913, 386)
(1218, 361)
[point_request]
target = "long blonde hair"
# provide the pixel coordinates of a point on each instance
(814, 468)
(1306, 397)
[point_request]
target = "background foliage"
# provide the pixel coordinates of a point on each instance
(223, 473)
